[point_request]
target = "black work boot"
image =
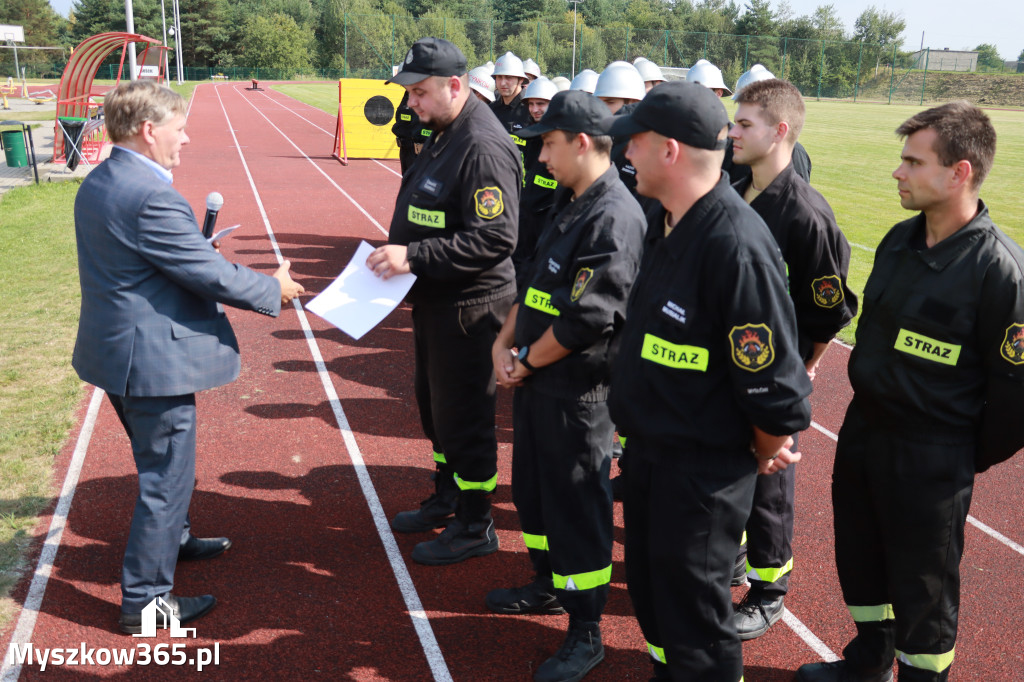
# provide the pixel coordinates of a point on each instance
(581, 651)
(435, 511)
(537, 597)
(838, 671)
(756, 613)
(470, 534)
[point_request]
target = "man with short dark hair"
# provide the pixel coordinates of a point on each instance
(454, 227)
(937, 376)
(564, 324)
(768, 123)
(152, 333)
(707, 383)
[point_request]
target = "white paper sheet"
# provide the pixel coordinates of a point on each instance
(358, 300)
(223, 233)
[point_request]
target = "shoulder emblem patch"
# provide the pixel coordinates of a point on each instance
(583, 278)
(488, 202)
(828, 291)
(1012, 349)
(752, 347)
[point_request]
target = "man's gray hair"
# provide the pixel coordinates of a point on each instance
(132, 104)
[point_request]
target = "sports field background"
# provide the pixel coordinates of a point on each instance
(853, 149)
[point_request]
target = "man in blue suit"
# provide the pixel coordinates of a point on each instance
(152, 331)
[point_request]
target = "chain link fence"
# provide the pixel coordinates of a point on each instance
(821, 69)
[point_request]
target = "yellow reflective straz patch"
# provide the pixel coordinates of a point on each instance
(674, 355)
(927, 348)
(828, 291)
(488, 201)
(1012, 349)
(752, 347)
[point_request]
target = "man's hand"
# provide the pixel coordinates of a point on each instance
(504, 360)
(519, 372)
(784, 457)
(389, 260)
(812, 369)
(289, 287)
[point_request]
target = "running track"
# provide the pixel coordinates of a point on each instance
(304, 457)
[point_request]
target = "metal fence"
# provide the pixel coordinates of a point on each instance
(823, 69)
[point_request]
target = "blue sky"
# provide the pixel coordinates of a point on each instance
(945, 23)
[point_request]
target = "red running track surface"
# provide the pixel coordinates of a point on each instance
(306, 455)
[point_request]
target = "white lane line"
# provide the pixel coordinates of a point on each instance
(809, 637)
(312, 163)
(420, 621)
(862, 247)
(988, 530)
(278, 102)
(37, 589)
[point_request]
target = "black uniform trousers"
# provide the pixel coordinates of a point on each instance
(900, 506)
(162, 431)
(560, 486)
(455, 385)
(684, 512)
(770, 532)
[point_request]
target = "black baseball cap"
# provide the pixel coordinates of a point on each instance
(430, 57)
(574, 111)
(688, 112)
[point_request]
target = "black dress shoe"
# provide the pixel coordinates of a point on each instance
(185, 608)
(202, 548)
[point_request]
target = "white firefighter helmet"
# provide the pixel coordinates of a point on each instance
(531, 68)
(509, 65)
(620, 79)
(708, 75)
(585, 80)
(756, 73)
(481, 81)
(650, 71)
(541, 88)
(561, 82)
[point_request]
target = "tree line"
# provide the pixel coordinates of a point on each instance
(301, 35)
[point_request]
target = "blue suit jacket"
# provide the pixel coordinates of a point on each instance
(150, 321)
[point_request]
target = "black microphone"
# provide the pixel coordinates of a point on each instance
(214, 202)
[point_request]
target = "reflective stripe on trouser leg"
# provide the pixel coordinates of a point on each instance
(439, 457)
(871, 614)
(487, 486)
(768, 575)
(930, 662)
(538, 542)
(583, 581)
(656, 652)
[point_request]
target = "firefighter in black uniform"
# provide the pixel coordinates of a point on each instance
(564, 322)
(768, 121)
(408, 132)
(538, 186)
(454, 227)
(707, 383)
(508, 106)
(938, 377)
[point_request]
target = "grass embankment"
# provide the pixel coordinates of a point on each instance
(38, 388)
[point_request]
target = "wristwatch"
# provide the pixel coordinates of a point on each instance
(521, 357)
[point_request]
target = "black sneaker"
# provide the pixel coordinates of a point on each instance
(838, 671)
(456, 543)
(581, 651)
(755, 614)
(532, 598)
(435, 512)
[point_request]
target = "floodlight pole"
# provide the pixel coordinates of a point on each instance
(177, 42)
(129, 15)
(163, 22)
(575, 4)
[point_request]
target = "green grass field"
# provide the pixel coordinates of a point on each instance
(852, 146)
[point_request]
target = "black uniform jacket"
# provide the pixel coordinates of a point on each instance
(578, 283)
(458, 211)
(709, 346)
(940, 343)
(816, 252)
(512, 116)
(741, 171)
(536, 200)
(407, 127)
